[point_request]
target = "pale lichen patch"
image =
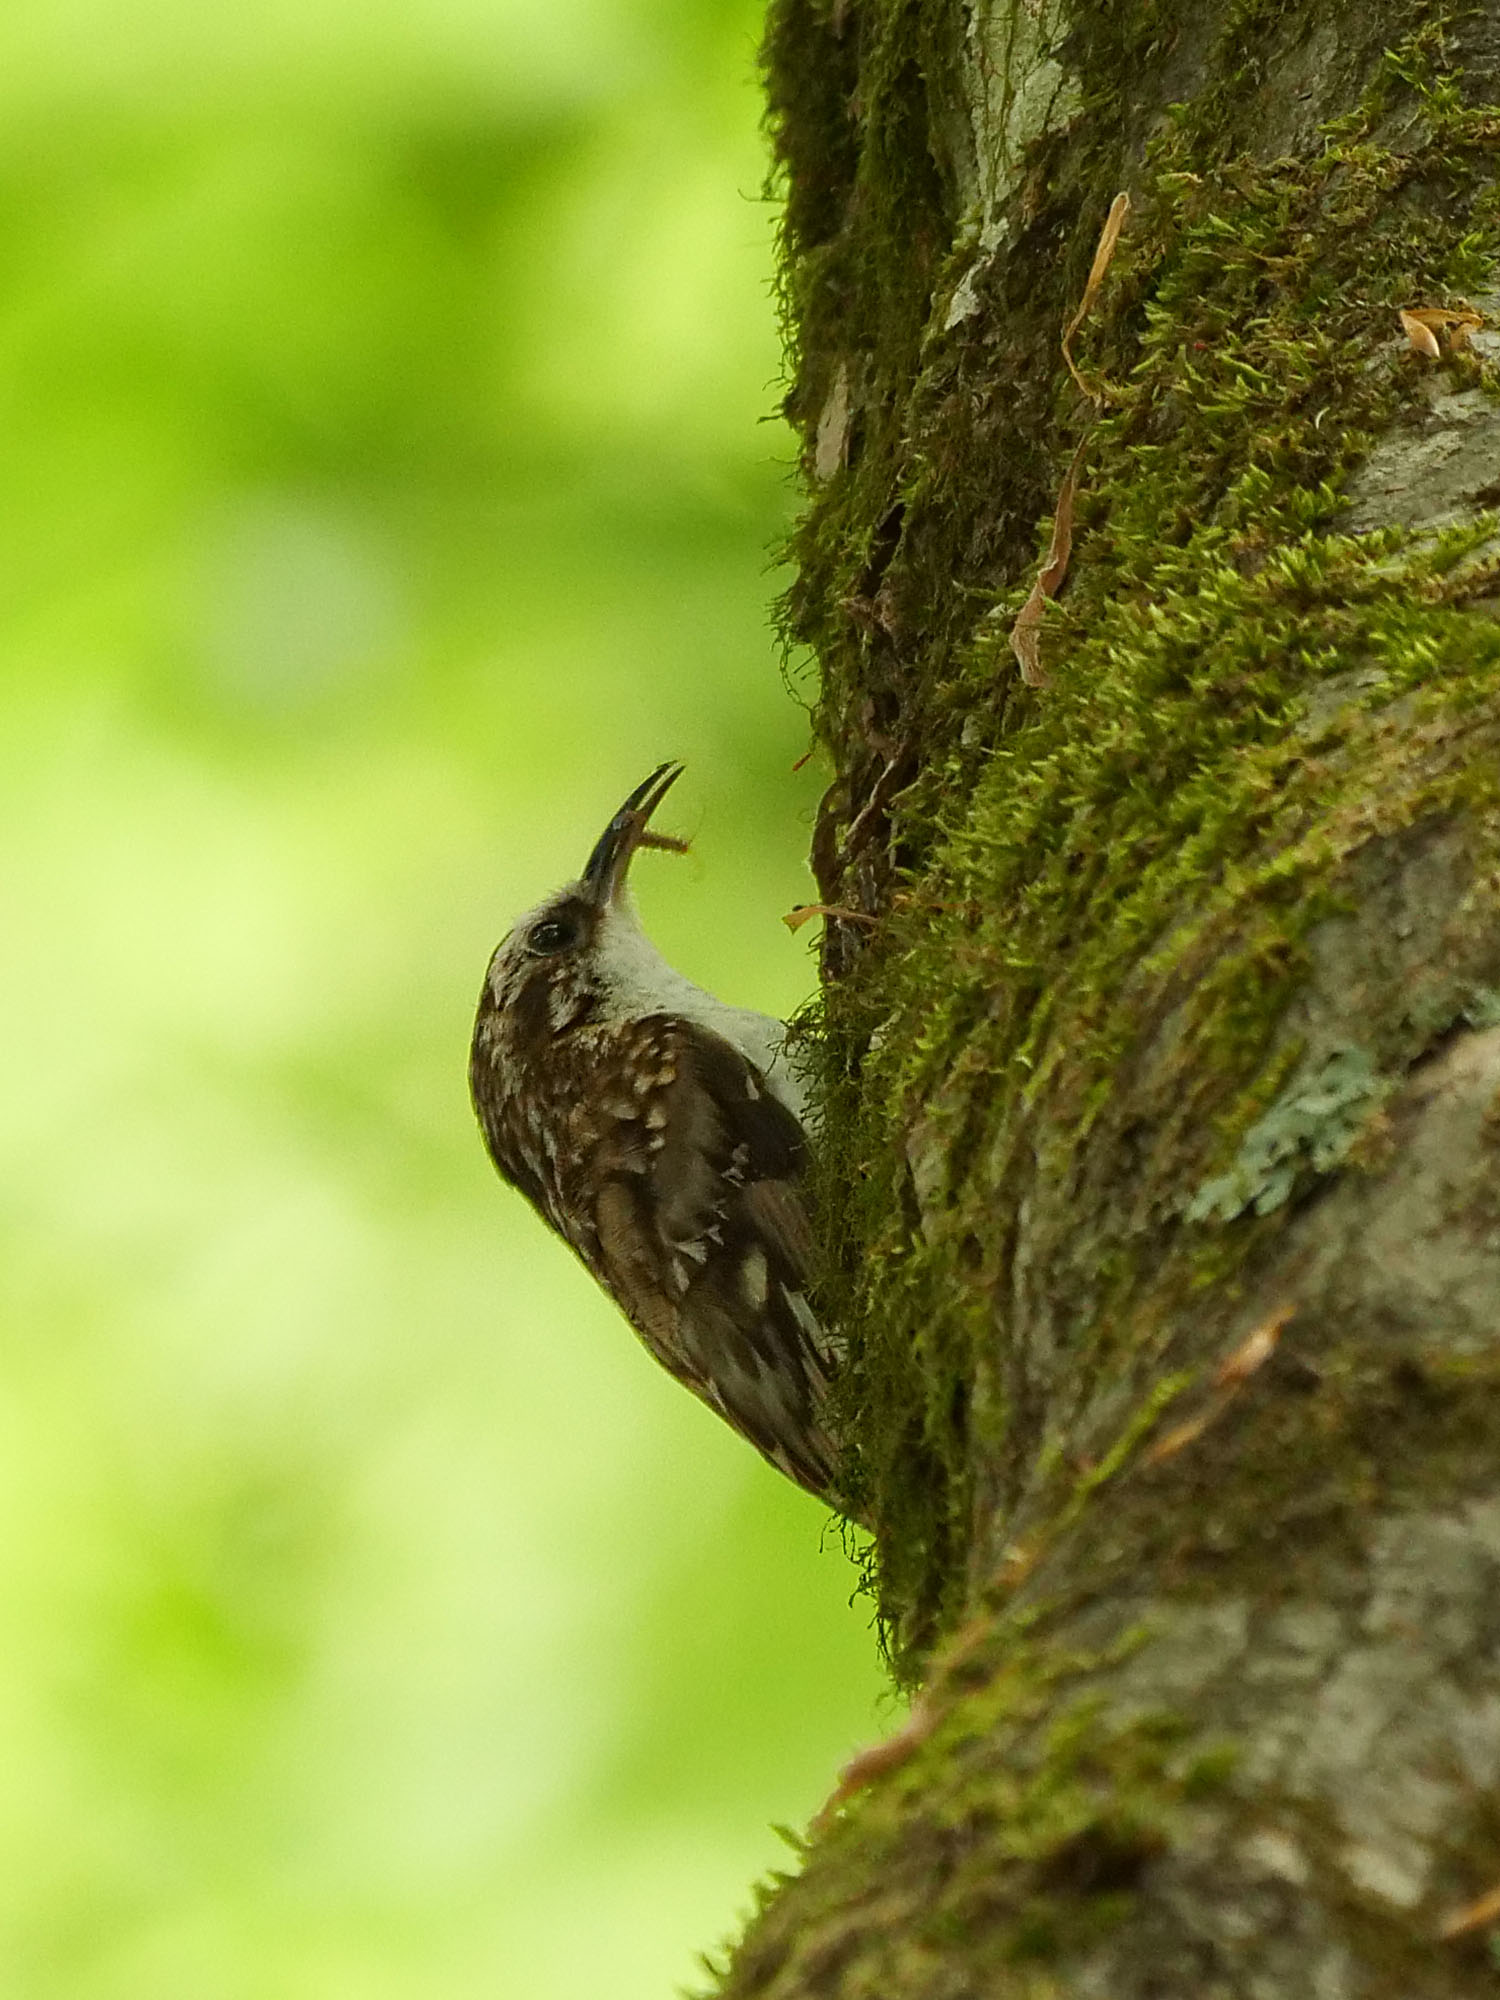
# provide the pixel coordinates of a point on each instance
(1433, 471)
(1311, 1129)
(1018, 92)
(1394, 1879)
(1271, 1852)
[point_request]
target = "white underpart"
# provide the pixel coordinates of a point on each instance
(637, 980)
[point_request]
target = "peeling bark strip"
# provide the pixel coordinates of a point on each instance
(1026, 633)
(1163, 1096)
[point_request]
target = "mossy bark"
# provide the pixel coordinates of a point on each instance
(1163, 1090)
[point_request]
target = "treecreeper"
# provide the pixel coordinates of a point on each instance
(662, 1134)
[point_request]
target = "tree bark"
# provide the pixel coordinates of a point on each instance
(1163, 1091)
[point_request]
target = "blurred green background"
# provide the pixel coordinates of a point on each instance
(385, 490)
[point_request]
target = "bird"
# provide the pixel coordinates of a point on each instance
(663, 1135)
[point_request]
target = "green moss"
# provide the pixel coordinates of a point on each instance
(1022, 1826)
(1098, 907)
(1021, 1830)
(1278, 1489)
(1096, 903)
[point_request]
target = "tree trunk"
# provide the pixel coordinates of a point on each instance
(1163, 1090)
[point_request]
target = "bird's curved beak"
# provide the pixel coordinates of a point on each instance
(609, 863)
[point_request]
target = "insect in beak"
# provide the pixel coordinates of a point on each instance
(608, 865)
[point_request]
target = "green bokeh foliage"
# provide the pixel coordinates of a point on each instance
(382, 492)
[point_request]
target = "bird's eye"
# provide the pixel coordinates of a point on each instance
(550, 935)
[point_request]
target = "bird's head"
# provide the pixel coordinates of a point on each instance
(552, 972)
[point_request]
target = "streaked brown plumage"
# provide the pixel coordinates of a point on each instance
(660, 1133)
